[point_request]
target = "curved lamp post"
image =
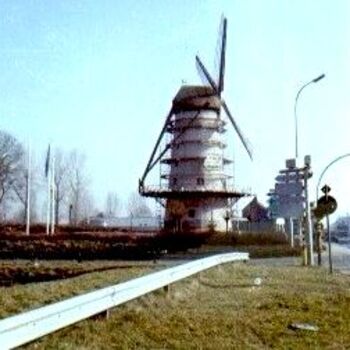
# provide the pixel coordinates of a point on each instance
(317, 189)
(326, 168)
(316, 80)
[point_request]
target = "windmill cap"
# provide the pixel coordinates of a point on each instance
(194, 97)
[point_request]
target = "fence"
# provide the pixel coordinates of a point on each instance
(23, 328)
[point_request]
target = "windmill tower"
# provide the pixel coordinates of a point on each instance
(197, 193)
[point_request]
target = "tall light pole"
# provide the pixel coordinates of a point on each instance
(316, 80)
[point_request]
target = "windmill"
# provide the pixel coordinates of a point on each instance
(197, 194)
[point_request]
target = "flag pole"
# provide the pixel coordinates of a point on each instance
(53, 194)
(28, 190)
(47, 173)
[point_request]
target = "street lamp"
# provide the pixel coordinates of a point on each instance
(327, 217)
(326, 168)
(316, 80)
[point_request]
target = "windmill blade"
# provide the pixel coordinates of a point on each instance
(222, 56)
(148, 167)
(203, 71)
(184, 129)
(238, 130)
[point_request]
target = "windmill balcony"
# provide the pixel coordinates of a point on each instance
(191, 192)
(199, 123)
(200, 142)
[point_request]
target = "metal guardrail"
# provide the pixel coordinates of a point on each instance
(23, 328)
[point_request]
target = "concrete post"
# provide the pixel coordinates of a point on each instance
(308, 231)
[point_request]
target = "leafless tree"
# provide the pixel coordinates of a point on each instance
(20, 189)
(80, 200)
(112, 204)
(11, 162)
(137, 206)
(62, 181)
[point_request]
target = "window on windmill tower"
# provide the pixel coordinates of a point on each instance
(200, 181)
(191, 213)
(174, 181)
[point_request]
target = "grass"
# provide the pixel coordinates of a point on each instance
(23, 297)
(29, 271)
(220, 309)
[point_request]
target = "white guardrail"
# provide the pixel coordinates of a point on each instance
(23, 328)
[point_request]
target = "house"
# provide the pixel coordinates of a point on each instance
(255, 211)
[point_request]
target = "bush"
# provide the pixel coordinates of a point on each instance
(247, 238)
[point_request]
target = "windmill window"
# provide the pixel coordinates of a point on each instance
(174, 181)
(200, 181)
(191, 213)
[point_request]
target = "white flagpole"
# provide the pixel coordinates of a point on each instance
(28, 190)
(48, 198)
(53, 194)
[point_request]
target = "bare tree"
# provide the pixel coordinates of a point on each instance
(20, 189)
(79, 198)
(137, 206)
(61, 179)
(11, 162)
(112, 204)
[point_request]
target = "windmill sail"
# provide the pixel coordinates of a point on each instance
(219, 86)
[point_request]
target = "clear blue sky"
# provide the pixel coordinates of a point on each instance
(99, 76)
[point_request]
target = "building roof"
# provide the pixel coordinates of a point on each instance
(194, 97)
(255, 211)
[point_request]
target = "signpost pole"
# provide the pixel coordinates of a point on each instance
(329, 246)
(291, 225)
(326, 205)
(308, 231)
(319, 242)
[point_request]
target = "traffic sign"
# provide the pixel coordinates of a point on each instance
(289, 177)
(289, 189)
(326, 205)
(326, 189)
(290, 199)
(289, 209)
(289, 195)
(300, 172)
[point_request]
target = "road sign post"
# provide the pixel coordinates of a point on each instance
(290, 200)
(329, 246)
(326, 205)
(309, 232)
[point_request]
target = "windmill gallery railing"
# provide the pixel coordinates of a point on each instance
(28, 326)
(199, 191)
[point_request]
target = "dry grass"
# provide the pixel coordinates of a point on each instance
(17, 298)
(29, 271)
(221, 309)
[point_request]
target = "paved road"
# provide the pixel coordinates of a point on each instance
(340, 257)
